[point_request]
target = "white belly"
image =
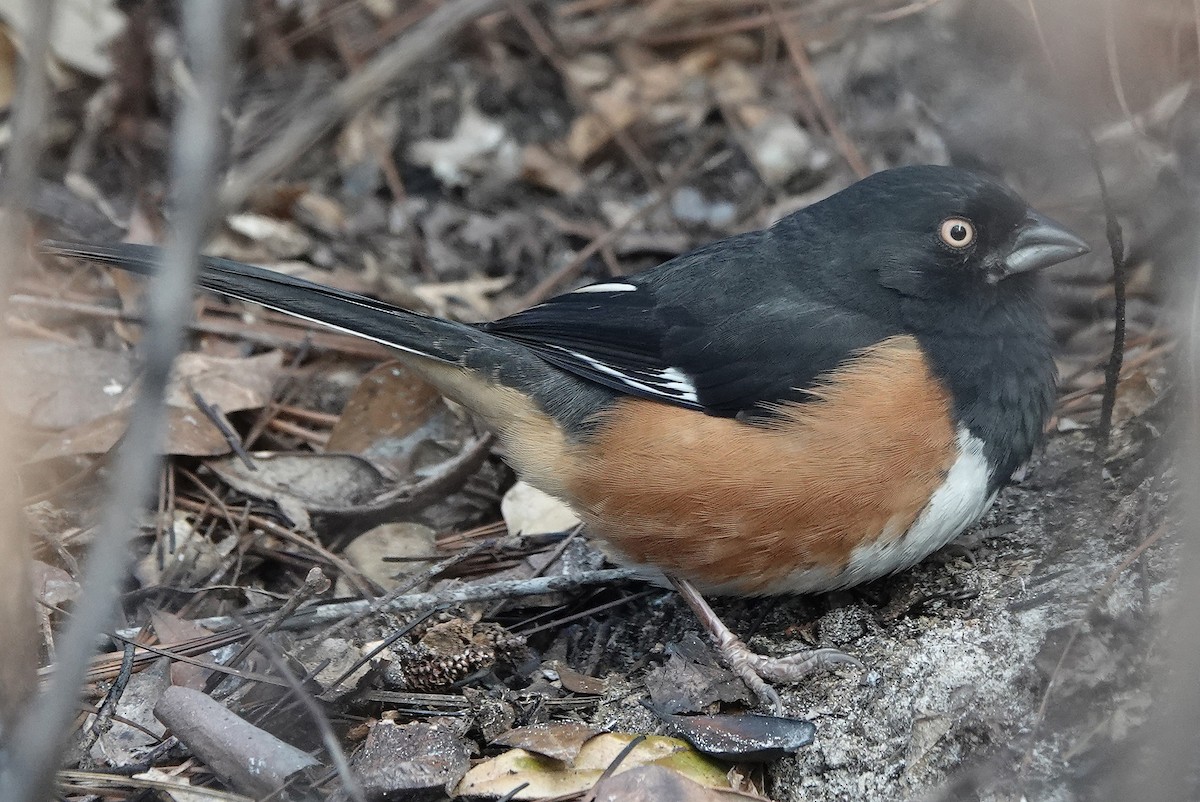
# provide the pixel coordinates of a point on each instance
(960, 501)
(956, 504)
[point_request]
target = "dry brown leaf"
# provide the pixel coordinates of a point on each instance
(57, 386)
(391, 401)
(229, 384)
(189, 433)
(560, 740)
(374, 553)
(52, 585)
(657, 784)
(541, 167)
(173, 629)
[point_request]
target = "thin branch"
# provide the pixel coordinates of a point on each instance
(1116, 247)
(503, 589)
(808, 75)
(18, 627)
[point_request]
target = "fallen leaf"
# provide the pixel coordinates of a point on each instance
(404, 760)
(52, 585)
(477, 146)
(690, 681)
(658, 784)
(280, 238)
(233, 384)
(229, 384)
(544, 776)
(173, 629)
(121, 744)
(385, 421)
(303, 483)
(561, 740)
(188, 557)
(82, 33)
(576, 682)
(57, 386)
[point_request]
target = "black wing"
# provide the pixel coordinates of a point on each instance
(725, 330)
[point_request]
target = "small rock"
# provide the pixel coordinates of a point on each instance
(529, 511)
(370, 552)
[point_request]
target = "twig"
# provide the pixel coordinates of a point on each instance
(314, 584)
(208, 30)
(18, 628)
(108, 707)
(1112, 231)
(808, 75)
(217, 419)
(460, 595)
(423, 42)
(418, 578)
(1116, 247)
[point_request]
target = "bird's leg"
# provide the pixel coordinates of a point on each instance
(755, 669)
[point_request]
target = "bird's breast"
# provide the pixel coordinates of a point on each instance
(867, 478)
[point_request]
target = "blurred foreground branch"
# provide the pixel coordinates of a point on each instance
(208, 31)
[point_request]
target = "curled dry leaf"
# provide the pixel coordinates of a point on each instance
(560, 740)
(302, 483)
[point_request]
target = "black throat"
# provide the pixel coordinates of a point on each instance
(997, 362)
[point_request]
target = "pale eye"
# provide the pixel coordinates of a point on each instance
(957, 232)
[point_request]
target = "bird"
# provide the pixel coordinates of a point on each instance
(796, 409)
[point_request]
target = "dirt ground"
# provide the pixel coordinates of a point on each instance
(539, 147)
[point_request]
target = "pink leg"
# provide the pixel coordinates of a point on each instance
(755, 669)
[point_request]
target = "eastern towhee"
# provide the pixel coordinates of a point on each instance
(801, 408)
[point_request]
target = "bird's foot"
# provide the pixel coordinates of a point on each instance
(757, 670)
(754, 669)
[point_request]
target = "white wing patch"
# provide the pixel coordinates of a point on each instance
(669, 383)
(610, 287)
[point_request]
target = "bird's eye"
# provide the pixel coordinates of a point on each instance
(957, 232)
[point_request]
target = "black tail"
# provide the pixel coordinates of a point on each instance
(408, 331)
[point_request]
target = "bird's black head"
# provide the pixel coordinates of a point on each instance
(937, 234)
